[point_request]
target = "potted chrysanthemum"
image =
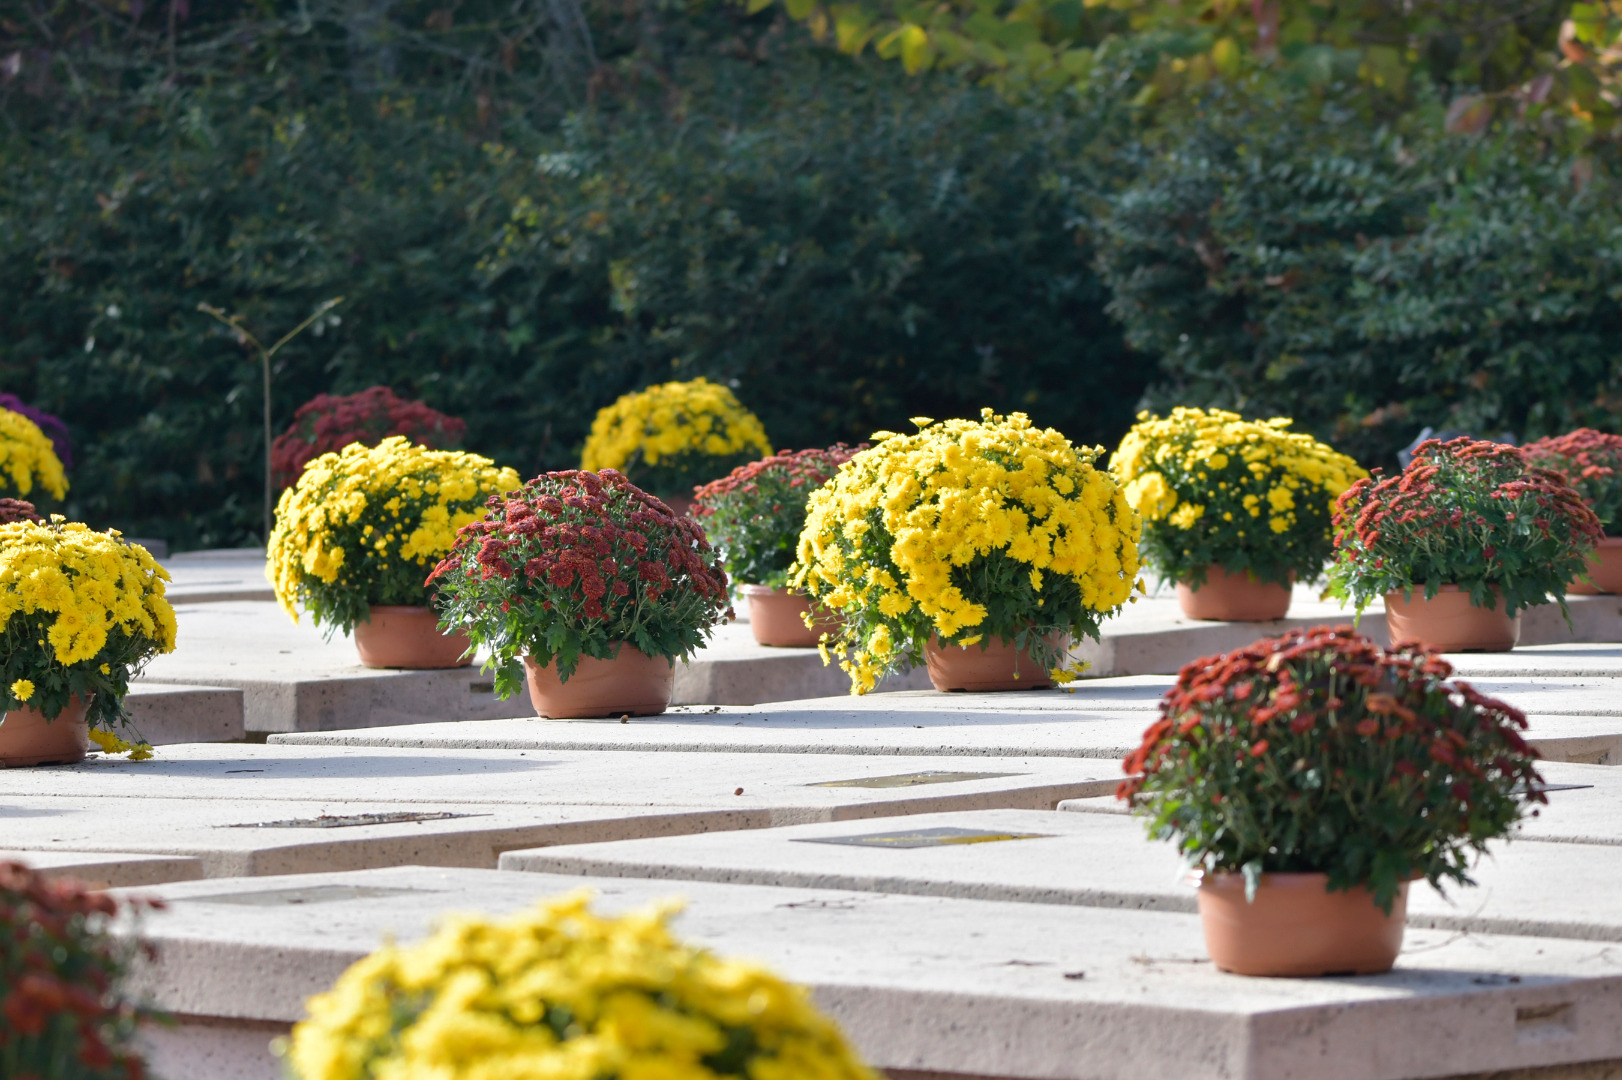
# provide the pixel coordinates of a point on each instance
(981, 548)
(593, 585)
(1591, 462)
(1459, 542)
(670, 438)
(1309, 778)
(83, 611)
(1234, 510)
(327, 423)
(66, 1010)
(566, 993)
(28, 458)
(356, 537)
(754, 515)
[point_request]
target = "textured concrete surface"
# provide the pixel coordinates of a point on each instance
(931, 984)
(202, 577)
(108, 869)
(1580, 660)
(166, 713)
(1088, 860)
(1585, 805)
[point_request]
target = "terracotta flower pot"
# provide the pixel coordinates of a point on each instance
(1296, 926)
(409, 637)
(27, 738)
(1229, 597)
(999, 666)
(1449, 622)
(631, 684)
(777, 617)
(1604, 570)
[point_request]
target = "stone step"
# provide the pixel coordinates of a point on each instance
(166, 713)
(247, 809)
(927, 986)
(107, 869)
(1525, 887)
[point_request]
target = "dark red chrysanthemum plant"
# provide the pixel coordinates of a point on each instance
(576, 564)
(755, 514)
(63, 1011)
(1321, 752)
(1469, 513)
(1591, 462)
(327, 423)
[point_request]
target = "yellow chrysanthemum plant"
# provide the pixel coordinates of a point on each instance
(83, 611)
(366, 525)
(1215, 489)
(563, 993)
(672, 437)
(972, 532)
(27, 458)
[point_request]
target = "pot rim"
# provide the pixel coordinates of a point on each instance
(529, 659)
(400, 609)
(1278, 879)
(750, 589)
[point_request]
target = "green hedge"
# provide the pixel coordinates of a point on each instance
(847, 248)
(1286, 257)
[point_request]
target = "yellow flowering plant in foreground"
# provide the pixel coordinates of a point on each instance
(82, 612)
(28, 458)
(561, 993)
(972, 531)
(367, 524)
(670, 437)
(1247, 495)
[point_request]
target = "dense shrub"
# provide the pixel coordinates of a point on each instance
(842, 247)
(1277, 255)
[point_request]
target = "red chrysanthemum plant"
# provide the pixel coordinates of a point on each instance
(1320, 752)
(19, 510)
(64, 1014)
(1591, 462)
(578, 563)
(328, 423)
(755, 514)
(1469, 513)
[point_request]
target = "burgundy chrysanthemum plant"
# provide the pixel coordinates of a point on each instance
(1591, 462)
(327, 423)
(1321, 752)
(579, 563)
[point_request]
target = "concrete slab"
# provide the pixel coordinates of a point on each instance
(201, 577)
(1580, 660)
(733, 670)
(1086, 860)
(929, 985)
(1585, 805)
(293, 679)
(788, 787)
(166, 713)
(108, 869)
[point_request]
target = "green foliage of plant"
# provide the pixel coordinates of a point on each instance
(579, 564)
(1466, 513)
(755, 514)
(844, 248)
(1320, 752)
(1282, 255)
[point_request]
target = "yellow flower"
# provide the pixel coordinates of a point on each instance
(112, 744)
(22, 689)
(27, 457)
(560, 993)
(670, 420)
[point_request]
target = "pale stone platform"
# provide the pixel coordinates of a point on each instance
(249, 809)
(927, 985)
(220, 574)
(166, 713)
(1526, 887)
(108, 869)
(1568, 661)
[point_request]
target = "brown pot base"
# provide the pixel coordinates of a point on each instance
(631, 684)
(409, 638)
(1604, 570)
(1296, 927)
(1229, 597)
(777, 617)
(1448, 622)
(998, 666)
(27, 738)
